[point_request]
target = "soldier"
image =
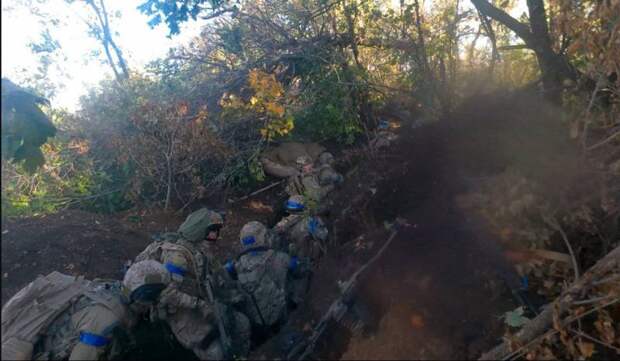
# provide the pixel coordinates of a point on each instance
(66, 317)
(304, 235)
(314, 183)
(384, 136)
(280, 161)
(186, 255)
(264, 275)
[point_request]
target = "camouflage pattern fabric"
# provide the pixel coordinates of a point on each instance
(53, 311)
(280, 161)
(262, 275)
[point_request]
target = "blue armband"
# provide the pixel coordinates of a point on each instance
(313, 223)
(294, 206)
(92, 339)
(175, 269)
(294, 262)
(229, 266)
(246, 241)
(525, 283)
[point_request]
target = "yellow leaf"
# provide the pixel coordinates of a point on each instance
(253, 100)
(586, 349)
(275, 109)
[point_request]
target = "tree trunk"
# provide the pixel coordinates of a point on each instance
(553, 66)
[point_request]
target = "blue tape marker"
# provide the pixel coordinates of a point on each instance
(292, 265)
(294, 206)
(248, 240)
(313, 223)
(92, 339)
(230, 267)
(175, 269)
(525, 282)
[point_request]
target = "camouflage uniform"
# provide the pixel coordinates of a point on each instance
(263, 275)
(280, 161)
(314, 183)
(183, 304)
(65, 317)
(383, 139)
(305, 235)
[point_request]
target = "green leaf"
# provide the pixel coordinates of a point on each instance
(24, 126)
(515, 318)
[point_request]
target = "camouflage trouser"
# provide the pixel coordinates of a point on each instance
(194, 332)
(61, 341)
(190, 327)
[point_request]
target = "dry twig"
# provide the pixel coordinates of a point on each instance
(556, 225)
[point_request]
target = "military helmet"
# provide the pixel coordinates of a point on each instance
(326, 158)
(253, 234)
(145, 280)
(295, 204)
(303, 160)
(329, 176)
(199, 223)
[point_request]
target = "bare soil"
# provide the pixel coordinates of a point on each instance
(72, 242)
(96, 245)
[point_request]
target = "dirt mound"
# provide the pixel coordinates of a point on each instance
(97, 246)
(72, 242)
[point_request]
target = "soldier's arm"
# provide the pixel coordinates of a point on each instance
(276, 169)
(290, 265)
(287, 222)
(171, 296)
(95, 326)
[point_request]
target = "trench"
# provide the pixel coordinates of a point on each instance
(439, 290)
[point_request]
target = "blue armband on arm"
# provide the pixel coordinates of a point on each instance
(229, 266)
(175, 269)
(293, 263)
(92, 339)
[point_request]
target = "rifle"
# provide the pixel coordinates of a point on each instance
(220, 310)
(337, 309)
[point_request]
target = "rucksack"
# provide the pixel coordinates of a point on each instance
(155, 250)
(266, 293)
(34, 308)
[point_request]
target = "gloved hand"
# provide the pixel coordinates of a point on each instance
(207, 312)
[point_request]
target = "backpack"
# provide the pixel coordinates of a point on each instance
(34, 308)
(155, 250)
(263, 283)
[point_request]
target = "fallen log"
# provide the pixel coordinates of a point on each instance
(605, 267)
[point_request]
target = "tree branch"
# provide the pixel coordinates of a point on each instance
(486, 8)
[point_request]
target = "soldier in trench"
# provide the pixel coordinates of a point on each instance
(59, 317)
(314, 183)
(188, 257)
(266, 277)
(304, 234)
(280, 161)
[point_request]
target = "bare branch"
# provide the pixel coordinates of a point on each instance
(486, 8)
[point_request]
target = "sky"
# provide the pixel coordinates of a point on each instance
(79, 72)
(140, 44)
